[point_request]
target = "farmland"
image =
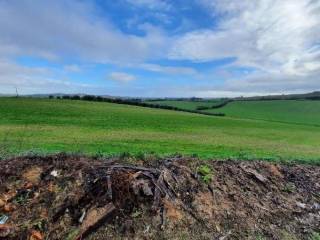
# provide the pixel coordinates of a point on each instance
(185, 104)
(305, 112)
(49, 125)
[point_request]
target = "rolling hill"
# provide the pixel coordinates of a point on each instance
(49, 125)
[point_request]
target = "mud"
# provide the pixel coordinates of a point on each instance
(76, 197)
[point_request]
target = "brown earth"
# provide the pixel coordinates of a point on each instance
(75, 197)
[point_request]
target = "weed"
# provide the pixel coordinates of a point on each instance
(289, 188)
(23, 196)
(260, 237)
(40, 225)
(315, 236)
(206, 173)
(125, 155)
(141, 155)
(287, 236)
(136, 214)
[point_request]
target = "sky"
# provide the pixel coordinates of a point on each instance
(160, 48)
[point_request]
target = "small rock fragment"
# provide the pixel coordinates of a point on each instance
(54, 173)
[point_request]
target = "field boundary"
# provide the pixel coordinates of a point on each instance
(136, 102)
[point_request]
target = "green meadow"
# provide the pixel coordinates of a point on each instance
(185, 104)
(49, 126)
(305, 112)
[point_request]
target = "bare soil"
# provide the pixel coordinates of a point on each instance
(76, 197)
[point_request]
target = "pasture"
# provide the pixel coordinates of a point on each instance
(49, 126)
(304, 112)
(185, 104)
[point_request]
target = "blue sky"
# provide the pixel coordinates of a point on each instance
(160, 48)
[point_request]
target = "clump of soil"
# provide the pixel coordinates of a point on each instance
(75, 197)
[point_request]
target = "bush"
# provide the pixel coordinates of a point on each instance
(315, 236)
(75, 97)
(89, 97)
(205, 173)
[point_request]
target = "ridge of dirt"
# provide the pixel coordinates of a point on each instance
(76, 197)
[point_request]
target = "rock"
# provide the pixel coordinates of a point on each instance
(54, 173)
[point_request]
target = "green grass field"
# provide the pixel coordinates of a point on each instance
(184, 104)
(286, 111)
(48, 126)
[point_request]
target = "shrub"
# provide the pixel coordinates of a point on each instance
(205, 173)
(315, 236)
(75, 97)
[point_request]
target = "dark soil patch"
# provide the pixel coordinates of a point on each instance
(74, 197)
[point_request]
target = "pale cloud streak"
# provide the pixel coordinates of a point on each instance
(151, 4)
(72, 68)
(121, 77)
(33, 80)
(168, 69)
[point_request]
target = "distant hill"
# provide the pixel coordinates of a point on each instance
(305, 96)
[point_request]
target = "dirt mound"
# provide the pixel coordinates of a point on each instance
(74, 197)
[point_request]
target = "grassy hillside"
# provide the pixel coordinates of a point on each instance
(184, 104)
(44, 125)
(288, 111)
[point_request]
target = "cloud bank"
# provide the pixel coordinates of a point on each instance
(275, 45)
(278, 38)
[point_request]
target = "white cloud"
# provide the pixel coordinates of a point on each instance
(33, 80)
(121, 77)
(72, 68)
(151, 4)
(61, 28)
(277, 37)
(168, 69)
